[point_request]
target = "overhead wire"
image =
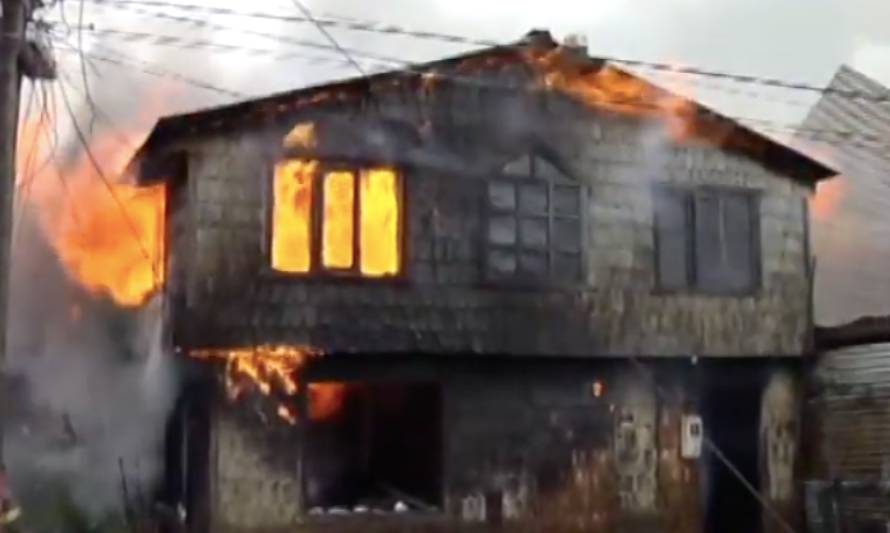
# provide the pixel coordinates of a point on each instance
(145, 67)
(308, 14)
(391, 29)
(394, 60)
(83, 69)
(821, 135)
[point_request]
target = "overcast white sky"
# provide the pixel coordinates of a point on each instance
(797, 40)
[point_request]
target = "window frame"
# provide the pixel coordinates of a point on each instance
(317, 271)
(690, 193)
(517, 279)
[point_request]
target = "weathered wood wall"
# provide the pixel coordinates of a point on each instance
(442, 303)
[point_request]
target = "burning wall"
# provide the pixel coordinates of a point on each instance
(253, 296)
(98, 384)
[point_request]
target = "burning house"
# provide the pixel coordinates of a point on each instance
(520, 286)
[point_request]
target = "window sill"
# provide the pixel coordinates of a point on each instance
(329, 278)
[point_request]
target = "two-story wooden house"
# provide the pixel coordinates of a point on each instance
(520, 286)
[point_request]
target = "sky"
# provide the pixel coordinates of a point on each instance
(795, 40)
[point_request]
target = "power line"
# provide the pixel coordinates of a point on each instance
(817, 134)
(374, 27)
(147, 68)
(98, 112)
(308, 14)
(821, 135)
(203, 23)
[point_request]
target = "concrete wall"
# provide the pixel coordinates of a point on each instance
(442, 303)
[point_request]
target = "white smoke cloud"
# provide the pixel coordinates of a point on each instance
(95, 388)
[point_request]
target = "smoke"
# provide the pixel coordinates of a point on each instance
(92, 389)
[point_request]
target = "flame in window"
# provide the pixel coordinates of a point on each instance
(379, 222)
(339, 220)
(291, 235)
(274, 371)
(375, 234)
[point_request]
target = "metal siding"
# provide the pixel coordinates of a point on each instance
(853, 397)
(859, 225)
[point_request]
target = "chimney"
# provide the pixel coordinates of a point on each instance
(576, 41)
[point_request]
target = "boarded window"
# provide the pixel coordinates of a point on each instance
(707, 240)
(358, 215)
(534, 231)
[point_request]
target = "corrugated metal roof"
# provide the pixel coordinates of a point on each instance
(852, 242)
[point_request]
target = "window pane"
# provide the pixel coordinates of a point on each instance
(672, 238)
(339, 220)
(533, 199)
(567, 234)
(566, 200)
(502, 195)
(566, 268)
(380, 222)
(534, 264)
(724, 238)
(533, 232)
(502, 230)
(292, 205)
(501, 262)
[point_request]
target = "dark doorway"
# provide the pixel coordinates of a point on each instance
(376, 446)
(731, 415)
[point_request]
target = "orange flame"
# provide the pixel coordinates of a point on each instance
(611, 89)
(379, 222)
(292, 214)
(339, 220)
(301, 136)
(275, 369)
(109, 235)
(115, 246)
(326, 399)
(364, 204)
(828, 197)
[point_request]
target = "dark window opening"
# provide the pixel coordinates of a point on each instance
(707, 240)
(534, 225)
(379, 451)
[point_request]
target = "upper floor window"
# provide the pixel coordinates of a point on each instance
(337, 221)
(534, 224)
(707, 239)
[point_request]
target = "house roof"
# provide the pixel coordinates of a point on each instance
(865, 330)
(790, 161)
(850, 237)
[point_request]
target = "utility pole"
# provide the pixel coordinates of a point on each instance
(18, 58)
